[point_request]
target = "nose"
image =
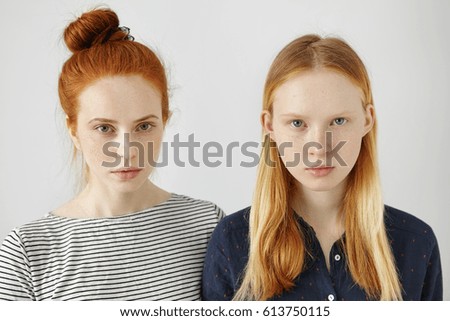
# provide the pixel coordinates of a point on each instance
(126, 150)
(318, 142)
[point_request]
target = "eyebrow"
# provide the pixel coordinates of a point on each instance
(106, 120)
(295, 115)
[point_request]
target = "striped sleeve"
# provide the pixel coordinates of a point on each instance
(220, 213)
(15, 276)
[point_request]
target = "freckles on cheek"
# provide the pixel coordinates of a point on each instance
(350, 151)
(289, 149)
(94, 154)
(92, 146)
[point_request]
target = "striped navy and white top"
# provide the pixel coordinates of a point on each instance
(154, 254)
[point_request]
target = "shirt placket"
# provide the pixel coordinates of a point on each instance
(336, 268)
(326, 281)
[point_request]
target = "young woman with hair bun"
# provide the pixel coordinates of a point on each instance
(317, 228)
(121, 237)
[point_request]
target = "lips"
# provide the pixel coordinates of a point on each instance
(127, 173)
(320, 171)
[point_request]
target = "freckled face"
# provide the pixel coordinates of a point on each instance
(109, 109)
(318, 120)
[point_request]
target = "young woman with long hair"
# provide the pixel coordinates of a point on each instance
(121, 237)
(318, 228)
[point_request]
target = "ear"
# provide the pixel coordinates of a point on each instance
(73, 135)
(266, 122)
(369, 118)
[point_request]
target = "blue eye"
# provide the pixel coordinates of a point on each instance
(297, 123)
(340, 121)
(103, 129)
(145, 126)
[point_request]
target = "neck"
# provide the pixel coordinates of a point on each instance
(97, 200)
(319, 207)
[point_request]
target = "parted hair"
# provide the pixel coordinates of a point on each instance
(277, 247)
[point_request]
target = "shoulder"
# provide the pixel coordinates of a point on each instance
(18, 239)
(229, 243)
(405, 227)
(232, 229)
(236, 221)
(194, 205)
(43, 223)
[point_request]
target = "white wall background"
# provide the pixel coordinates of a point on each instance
(218, 53)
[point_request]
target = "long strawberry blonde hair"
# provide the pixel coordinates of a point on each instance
(277, 247)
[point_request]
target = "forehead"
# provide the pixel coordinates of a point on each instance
(119, 97)
(317, 92)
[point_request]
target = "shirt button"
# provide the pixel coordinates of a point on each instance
(337, 257)
(330, 297)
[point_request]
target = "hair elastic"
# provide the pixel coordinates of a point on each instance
(127, 31)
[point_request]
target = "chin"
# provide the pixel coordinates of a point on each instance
(319, 186)
(129, 185)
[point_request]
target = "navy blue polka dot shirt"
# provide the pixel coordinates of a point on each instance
(413, 243)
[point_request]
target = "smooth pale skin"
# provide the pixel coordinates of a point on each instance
(305, 107)
(125, 104)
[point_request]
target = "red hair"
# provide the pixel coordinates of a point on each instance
(100, 48)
